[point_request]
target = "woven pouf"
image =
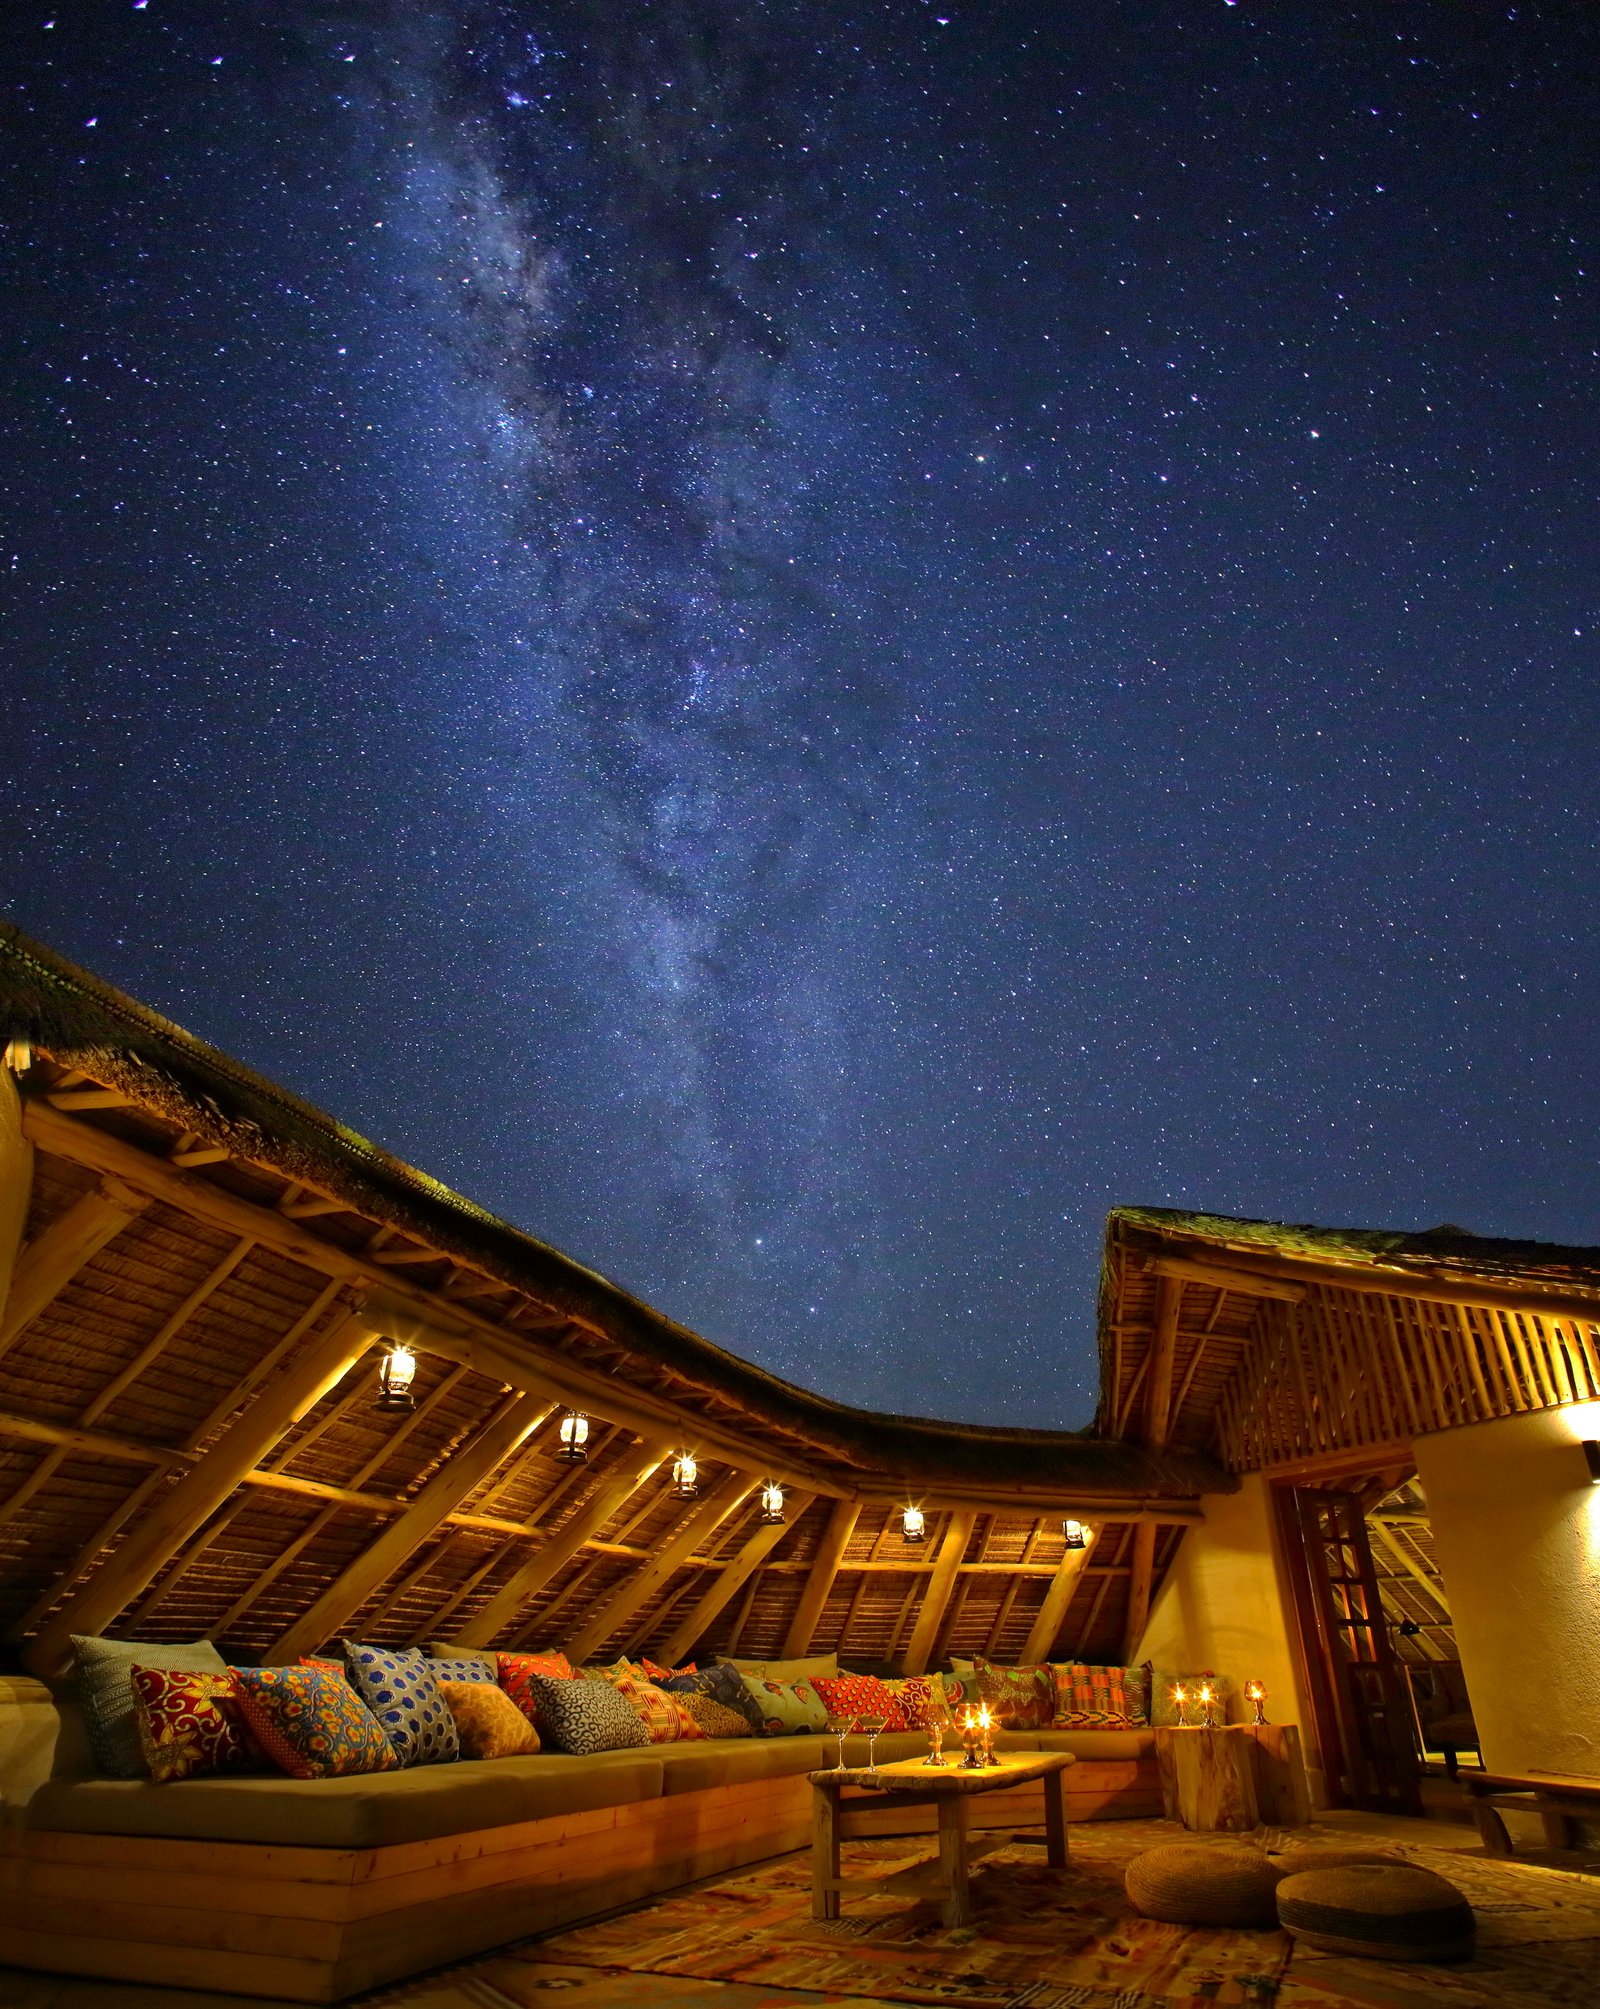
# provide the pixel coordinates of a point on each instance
(1304, 1856)
(1204, 1883)
(1385, 1912)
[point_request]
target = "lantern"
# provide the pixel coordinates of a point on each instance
(394, 1381)
(1255, 1693)
(574, 1446)
(913, 1529)
(685, 1477)
(772, 1504)
(1076, 1533)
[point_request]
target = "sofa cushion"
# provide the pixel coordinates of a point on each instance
(105, 1692)
(362, 1812)
(1114, 1746)
(478, 1667)
(1090, 1697)
(488, 1723)
(861, 1695)
(786, 1670)
(715, 1718)
(311, 1724)
(584, 1717)
(786, 1708)
(400, 1689)
(694, 1768)
(516, 1678)
(664, 1717)
(723, 1683)
(189, 1723)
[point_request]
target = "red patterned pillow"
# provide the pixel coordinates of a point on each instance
(189, 1723)
(1019, 1698)
(919, 1701)
(861, 1695)
(656, 1673)
(1090, 1697)
(663, 1715)
(516, 1672)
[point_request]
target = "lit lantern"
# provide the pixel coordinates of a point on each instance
(1255, 1693)
(685, 1477)
(913, 1528)
(395, 1377)
(574, 1446)
(772, 1504)
(1076, 1533)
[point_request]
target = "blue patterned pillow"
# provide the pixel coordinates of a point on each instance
(723, 1684)
(466, 1667)
(400, 1689)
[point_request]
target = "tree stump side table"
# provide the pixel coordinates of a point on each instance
(1234, 1777)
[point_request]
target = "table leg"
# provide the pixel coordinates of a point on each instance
(953, 1816)
(824, 1851)
(1055, 1818)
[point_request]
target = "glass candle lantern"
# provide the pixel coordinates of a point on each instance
(1077, 1535)
(913, 1528)
(573, 1448)
(394, 1381)
(771, 1515)
(1255, 1694)
(685, 1477)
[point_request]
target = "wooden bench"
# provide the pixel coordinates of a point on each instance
(1558, 1798)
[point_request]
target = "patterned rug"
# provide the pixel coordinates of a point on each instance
(1040, 1938)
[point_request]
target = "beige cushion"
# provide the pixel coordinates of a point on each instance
(1205, 1883)
(788, 1670)
(725, 1761)
(368, 1810)
(1378, 1911)
(1088, 1745)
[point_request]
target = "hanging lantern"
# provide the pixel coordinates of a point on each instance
(574, 1446)
(394, 1381)
(913, 1529)
(1076, 1533)
(772, 1504)
(685, 1477)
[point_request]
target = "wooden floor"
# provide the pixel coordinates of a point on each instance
(598, 1990)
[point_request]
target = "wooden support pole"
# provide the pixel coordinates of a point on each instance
(942, 1582)
(517, 1417)
(618, 1486)
(201, 1490)
(1144, 1562)
(1163, 1353)
(57, 1253)
(830, 1552)
(727, 1580)
(1053, 1612)
(636, 1590)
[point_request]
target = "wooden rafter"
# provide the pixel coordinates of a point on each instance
(1052, 1614)
(728, 1580)
(54, 1257)
(842, 1518)
(941, 1583)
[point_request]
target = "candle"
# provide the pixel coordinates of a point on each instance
(986, 1734)
(1180, 1697)
(1256, 1693)
(1209, 1719)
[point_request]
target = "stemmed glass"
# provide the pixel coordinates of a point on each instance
(840, 1727)
(874, 1727)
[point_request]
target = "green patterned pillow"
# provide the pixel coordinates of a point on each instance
(104, 1673)
(786, 1708)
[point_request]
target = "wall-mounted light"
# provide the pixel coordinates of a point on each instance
(1076, 1533)
(1591, 1452)
(913, 1529)
(395, 1377)
(574, 1446)
(771, 1515)
(1409, 1628)
(685, 1477)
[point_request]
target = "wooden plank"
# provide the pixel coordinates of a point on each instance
(1144, 1560)
(940, 1585)
(517, 1417)
(696, 1623)
(836, 1535)
(1163, 1354)
(1052, 1613)
(54, 1257)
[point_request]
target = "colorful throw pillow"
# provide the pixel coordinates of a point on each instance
(310, 1723)
(400, 1689)
(787, 1670)
(462, 1667)
(315, 1660)
(920, 1700)
(660, 1674)
(584, 1717)
(787, 1708)
(1164, 1709)
(663, 1715)
(1136, 1687)
(860, 1695)
(516, 1674)
(722, 1683)
(1088, 1697)
(189, 1723)
(1019, 1698)
(488, 1723)
(715, 1718)
(104, 1668)
(612, 1671)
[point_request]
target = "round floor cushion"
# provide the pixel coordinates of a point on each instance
(1204, 1883)
(1382, 1911)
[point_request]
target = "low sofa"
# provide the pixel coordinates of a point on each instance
(312, 1890)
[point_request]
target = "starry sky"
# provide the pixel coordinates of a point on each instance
(801, 644)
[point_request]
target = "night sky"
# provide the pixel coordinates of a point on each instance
(802, 644)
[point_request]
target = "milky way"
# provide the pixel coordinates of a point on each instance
(802, 645)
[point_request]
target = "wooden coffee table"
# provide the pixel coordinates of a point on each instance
(951, 1789)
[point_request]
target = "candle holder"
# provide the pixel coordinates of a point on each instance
(1208, 1720)
(1256, 1696)
(936, 1742)
(1180, 1701)
(970, 1759)
(986, 1735)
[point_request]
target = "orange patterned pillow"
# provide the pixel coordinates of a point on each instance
(1019, 1698)
(189, 1723)
(488, 1723)
(516, 1670)
(1089, 1697)
(919, 1699)
(663, 1715)
(655, 1673)
(861, 1695)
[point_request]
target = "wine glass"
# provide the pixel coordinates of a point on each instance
(840, 1726)
(874, 1726)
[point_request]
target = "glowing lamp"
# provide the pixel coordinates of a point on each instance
(1076, 1533)
(913, 1529)
(574, 1446)
(771, 1515)
(1207, 1702)
(685, 1477)
(395, 1377)
(1180, 1701)
(1255, 1693)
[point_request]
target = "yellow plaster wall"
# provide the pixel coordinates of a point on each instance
(1516, 1528)
(16, 1178)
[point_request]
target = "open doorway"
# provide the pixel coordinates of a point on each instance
(1417, 1608)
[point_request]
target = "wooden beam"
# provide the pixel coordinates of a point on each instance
(1163, 1352)
(56, 1254)
(836, 1535)
(940, 1584)
(1176, 1513)
(1144, 1562)
(634, 1591)
(174, 1518)
(728, 1579)
(1053, 1612)
(1221, 1274)
(516, 1418)
(1409, 1563)
(616, 1488)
